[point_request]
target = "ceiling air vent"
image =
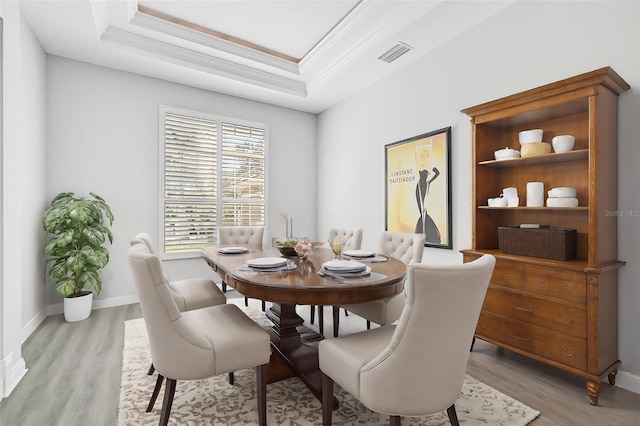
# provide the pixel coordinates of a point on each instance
(395, 52)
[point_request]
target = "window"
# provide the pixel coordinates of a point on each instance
(213, 174)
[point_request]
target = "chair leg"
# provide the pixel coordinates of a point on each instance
(336, 320)
(246, 302)
(264, 306)
(224, 287)
(327, 399)
(151, 370)
(261, 384)
(346, 313)
(169, 391)
(312, 313)
(321, 319)
(394, 420)
(453, 417)
(232, 379)
(156, 391)
(368, 325)
(473, 342)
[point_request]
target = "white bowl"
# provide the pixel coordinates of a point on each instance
(563, 143)
(562, 202)
(562, 192)
(506, 153)
(497, 202)
(529, 136)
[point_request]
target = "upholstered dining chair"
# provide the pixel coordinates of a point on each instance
(416, 367)
(351, 239)
(406, 247)
(196, 344)
(189, 294)
(245, 236)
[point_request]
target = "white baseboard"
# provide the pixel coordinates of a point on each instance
(31, 326)
(97, 304)
(13, 370)
(628, 381)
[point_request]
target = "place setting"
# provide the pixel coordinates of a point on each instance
(364, 256)
(268, 264)
(344, 269)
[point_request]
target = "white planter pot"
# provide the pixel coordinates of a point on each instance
(77, 308)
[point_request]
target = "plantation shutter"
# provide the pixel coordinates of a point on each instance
(242, 175)
(213, 175)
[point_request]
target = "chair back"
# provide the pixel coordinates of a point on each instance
(351, 239)
(406, 247)
(176, 349)
(143, 237)
(245, 235)
(423, 367)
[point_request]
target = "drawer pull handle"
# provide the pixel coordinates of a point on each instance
(504, 278)
(541, 284)
(569, 354)
(566, 289)
(567, 320)
(522, 309)
(526, 339)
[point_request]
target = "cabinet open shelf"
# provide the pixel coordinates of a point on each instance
(579, 208)
(558, 157)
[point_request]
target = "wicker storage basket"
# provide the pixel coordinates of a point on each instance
(549, 243)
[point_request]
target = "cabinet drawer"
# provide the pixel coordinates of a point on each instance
(563, 284)
(556, 316)
(562, 348)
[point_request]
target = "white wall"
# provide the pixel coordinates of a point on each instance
(527, 45)
(23, 156)
(103, 137)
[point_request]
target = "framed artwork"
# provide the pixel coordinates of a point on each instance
(418, 187)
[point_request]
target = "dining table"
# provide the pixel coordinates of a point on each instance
(302, 282)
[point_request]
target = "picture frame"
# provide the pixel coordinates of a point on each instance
(418, 187)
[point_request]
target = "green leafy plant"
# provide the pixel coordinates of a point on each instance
(78, 232)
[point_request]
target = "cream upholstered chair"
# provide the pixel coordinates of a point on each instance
(406, 247)
(245, 236)
(351, 239)
(192, 293)
(195, 344)
(416, 367)
(189, 294)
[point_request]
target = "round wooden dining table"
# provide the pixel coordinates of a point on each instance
(295, 346)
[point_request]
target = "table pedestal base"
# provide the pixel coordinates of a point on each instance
(295, 351)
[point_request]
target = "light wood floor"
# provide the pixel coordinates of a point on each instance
(75, 368)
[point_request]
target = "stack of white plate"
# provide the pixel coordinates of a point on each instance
(563, 196)
(267, 263)
(232, 250)
(345, 267)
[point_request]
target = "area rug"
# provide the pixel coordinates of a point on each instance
(215, 402)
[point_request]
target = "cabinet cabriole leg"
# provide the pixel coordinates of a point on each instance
(612, 377)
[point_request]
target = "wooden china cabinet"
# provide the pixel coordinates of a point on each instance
(560, 312)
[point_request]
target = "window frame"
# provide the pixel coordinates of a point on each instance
(219, 119)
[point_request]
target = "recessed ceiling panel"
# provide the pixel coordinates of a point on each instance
(288, 27)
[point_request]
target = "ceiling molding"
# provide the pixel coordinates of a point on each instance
(365, 28)
(187, 34)
(202, 62)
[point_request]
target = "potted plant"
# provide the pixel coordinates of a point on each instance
(78, 232)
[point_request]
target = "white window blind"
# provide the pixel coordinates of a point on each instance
(213, 174)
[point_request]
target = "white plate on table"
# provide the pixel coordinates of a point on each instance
(344, 266)
(267, 262)
(358, 253)
(232, 250)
